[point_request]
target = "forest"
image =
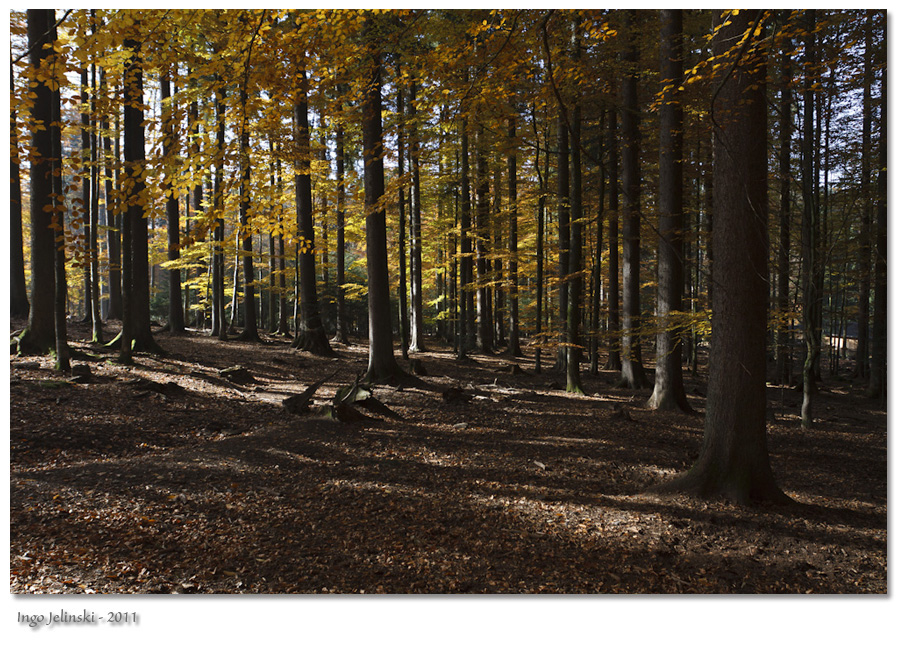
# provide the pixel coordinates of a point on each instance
(448, 301)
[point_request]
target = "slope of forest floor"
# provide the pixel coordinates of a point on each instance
(167, 477)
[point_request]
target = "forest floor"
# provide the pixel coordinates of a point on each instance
(167, 477)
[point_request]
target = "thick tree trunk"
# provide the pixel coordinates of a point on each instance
(734, 459)
(40, 336)
(382, 364)
(484, 333)
(18, 288)
(245, 232)
(311, 333)
(133, 149)
(668, 392)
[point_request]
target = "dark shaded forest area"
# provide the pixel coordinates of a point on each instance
(433, 301)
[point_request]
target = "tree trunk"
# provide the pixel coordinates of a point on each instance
(539, 273)
(402, 200)
(311, 333)
(668, 392)
(614, 360)
(809, 232)
(782, 361)
(133, 149)
(245, 231)
(597, 274)
(633, 375)
(19, 306)
(173, 225)
(94, 235)
(734, 459)
(466, 297)
(382, 364)
(81, 253)
(865, 228)
(59, 220)
(515, 349)
(340, 323)
(219, 326)
(40, 335)
(416, 322)
(563, 217)
(878, 366)
(576, 247)
(113, 212)
(484, 333)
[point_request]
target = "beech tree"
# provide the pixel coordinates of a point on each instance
(136, 334)
(311, 335)
(382, 364)
(40, 335)
(18, 289)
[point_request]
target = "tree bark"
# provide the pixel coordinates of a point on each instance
(40, 335)
(614, 336)
(484, 334)
(382, 364)
(668, 392)
(734, 459)
(865, 227)
(878, 365)
(416, 321)
(173, 225)
(61, 290)
(782, 362)
(575, 279)
(563, 213)
(466, 323)
(219, 326)
(112, 208)
(515, 348)
(18, 292)
(633, 375)
(809, 232)
(311, 335)
(340, 324)
(402, 200)
(245, 231)
(138, 297)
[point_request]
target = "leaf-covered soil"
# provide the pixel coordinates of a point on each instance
(167, 477)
